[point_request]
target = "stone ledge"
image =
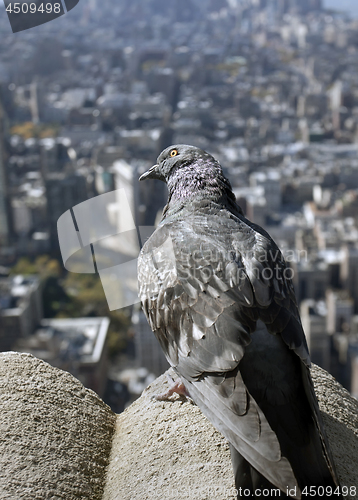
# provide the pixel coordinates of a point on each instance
(56, 440)
(167, 450)
(55, 435)
(161, 449)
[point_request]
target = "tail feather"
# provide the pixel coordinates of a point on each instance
(284, 392)
(249, 483)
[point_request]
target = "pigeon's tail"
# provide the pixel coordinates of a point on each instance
(251, 483)
(285, 394)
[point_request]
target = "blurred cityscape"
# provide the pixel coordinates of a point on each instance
(88, 101)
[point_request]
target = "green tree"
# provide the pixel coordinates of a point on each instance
(72, 295)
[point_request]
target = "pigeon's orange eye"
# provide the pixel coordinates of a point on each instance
(173, 152)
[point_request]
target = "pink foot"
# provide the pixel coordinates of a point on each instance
(176, 387)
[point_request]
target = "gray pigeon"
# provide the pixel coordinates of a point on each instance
(218, 295)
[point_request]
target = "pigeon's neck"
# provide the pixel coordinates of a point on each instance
(192, 185)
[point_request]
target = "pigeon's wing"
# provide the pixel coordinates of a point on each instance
(271, 281)
(203, 300)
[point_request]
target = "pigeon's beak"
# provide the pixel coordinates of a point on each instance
(152, 173)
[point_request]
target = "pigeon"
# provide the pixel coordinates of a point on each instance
(219, 297)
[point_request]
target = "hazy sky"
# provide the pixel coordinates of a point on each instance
(349, 5)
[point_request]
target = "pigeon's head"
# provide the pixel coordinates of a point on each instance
(176, 158)
(190, 172)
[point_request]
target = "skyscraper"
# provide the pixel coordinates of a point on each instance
(305, 6)
(302, 6)
(5, 227)
(63, 191)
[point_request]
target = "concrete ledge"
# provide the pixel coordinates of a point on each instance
(169, 450)
(55, 435)
(56, 440)
(340, 417)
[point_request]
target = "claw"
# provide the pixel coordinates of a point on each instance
(176, 387)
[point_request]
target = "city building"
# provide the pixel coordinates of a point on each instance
(63, 191)
(77, 345)
(313, 317)
(5, 221)
(20, 309)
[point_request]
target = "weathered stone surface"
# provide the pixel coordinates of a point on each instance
(55, 435)
(170, 450)
(340, 416)
(55, 440)
(167, 450)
